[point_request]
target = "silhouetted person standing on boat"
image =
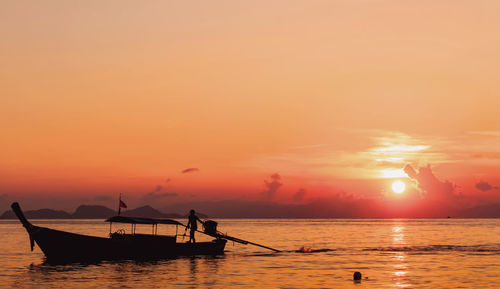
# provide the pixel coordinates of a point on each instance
(193, 225)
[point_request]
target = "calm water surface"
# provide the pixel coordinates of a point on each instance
(423, 253)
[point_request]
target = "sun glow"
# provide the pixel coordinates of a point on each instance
(398, 187)
(394, 173)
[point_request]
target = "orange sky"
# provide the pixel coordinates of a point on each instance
(336, 97)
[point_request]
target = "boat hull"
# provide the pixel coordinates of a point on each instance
(61, 246)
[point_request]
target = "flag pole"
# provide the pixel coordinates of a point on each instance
(119, 204)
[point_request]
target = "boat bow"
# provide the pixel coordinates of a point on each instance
(26, 224)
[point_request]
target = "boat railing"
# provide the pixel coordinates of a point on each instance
(143, 221)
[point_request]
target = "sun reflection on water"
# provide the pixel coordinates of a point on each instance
(400, 273)
(398, 236)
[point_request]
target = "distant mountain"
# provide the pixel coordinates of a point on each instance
(38, 214)
(242, 209)
(93, 212)
(90, 212)
(148, 212)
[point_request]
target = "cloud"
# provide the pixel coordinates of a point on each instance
(299, 195)
(429, 183)
(156, 190)
(272, 186)
(485, 186)
(156, 196)
(190, 170)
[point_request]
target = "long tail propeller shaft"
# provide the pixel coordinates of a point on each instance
(245, 242)
(237, 240)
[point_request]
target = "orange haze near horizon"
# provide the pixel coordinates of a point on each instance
(281, 101)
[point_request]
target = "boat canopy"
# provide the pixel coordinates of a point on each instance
(150, 221)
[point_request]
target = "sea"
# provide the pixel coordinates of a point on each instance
(389, 253)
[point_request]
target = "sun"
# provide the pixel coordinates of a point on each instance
(398, 187)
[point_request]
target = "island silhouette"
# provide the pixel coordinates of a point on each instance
(94, 212)
(241, 209)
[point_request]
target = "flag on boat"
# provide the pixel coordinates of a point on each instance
(121, 204)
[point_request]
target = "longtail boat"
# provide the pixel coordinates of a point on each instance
(61, 246)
